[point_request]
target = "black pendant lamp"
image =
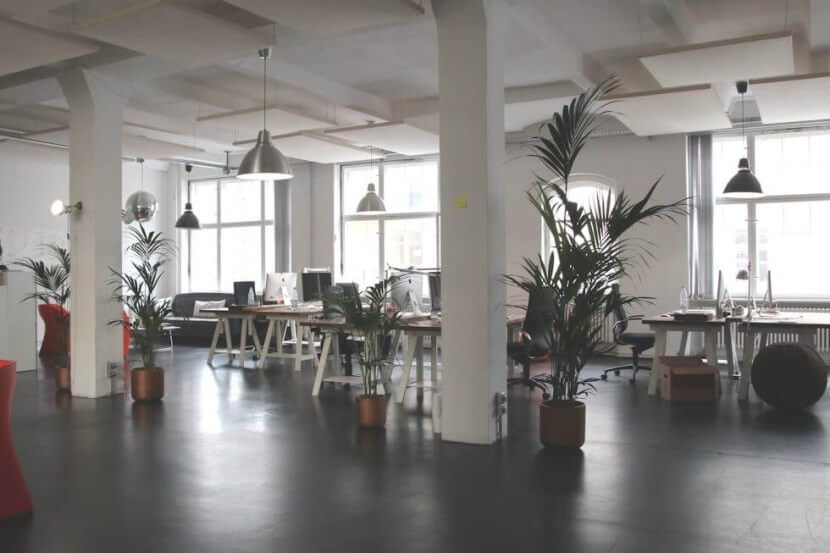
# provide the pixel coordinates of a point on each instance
(743, 184)
(264, 161)
(188, 219)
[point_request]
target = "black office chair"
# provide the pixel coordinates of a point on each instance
(346, 341)
(536, 337)
(639, 342)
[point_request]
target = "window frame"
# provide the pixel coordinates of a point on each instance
(381, 218)
(752, 207)
(262, 223)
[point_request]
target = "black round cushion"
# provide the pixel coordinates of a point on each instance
(789, 376)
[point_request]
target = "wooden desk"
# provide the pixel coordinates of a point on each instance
(804, 325)
(223, 316)
(280, 315)
(661, 325)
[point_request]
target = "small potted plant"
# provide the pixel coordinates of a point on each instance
(53, 289)
(371, 317)
(149, 252)
(590, 255)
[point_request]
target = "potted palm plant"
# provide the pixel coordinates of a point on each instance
(590, 254)
(52, 288)
(372, 318)
(148, 252)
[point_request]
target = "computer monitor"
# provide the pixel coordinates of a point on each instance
(279, 287)
(314, 283)
(244, 292)
(407, 292)
(435, 292)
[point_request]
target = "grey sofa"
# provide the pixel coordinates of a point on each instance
(197, 330)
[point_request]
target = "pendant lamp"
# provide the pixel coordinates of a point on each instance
(743, 184)
(188, 219)
(264, 161)
(371, 202)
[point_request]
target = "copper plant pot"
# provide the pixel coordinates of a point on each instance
(562, 424)
(63, 379)
(147, 384)
(371, 411)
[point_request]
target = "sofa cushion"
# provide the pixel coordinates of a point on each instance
(183, 303)
(199, 305)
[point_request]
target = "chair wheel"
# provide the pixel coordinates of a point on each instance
(617, 373)
(604, 376)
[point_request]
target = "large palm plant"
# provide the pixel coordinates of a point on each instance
(369, 317)
(52, 287)
(591, 251)
(149, 252)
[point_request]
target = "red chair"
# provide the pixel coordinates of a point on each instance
(14, 498)
(53, 337)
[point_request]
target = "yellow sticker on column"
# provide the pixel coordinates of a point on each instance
(461, 202)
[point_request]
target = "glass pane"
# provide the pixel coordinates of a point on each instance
(355, 181)
(203, 198)
(270, 263)
(791, 239)
(360, 252)
(411, 242)
(269, 199)
(241, 256)
(203, 266)
(726, 151)
(794, 163)
(411, 186)
(731, 250)
(241, 201)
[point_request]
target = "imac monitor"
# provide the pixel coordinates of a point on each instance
(244, 293)
(408, 291)
(435, 292)
(314, 283)
(279, 287)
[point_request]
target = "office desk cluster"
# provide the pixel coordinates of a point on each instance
(804, 325)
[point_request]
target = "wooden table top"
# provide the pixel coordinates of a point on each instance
(303, 310)
(409, 322)
(804, 319)
(668, 319)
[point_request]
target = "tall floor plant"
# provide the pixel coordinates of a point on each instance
(592, 249)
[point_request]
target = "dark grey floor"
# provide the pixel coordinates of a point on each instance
(234, 462)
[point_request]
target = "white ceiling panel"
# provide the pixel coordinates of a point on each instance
(173, 32)
(723, 61)
(278, 120)
(520, 115)
(790, 99)
(316, 148)
(670, 111)
(25, 47)
(131, 145)
(395, 137)
(330, 18)
(26, 7)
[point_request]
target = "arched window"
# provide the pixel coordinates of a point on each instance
(583, 188)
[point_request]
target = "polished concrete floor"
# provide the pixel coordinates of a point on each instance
(233, 461)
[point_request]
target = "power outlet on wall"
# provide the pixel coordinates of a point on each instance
(112, 367)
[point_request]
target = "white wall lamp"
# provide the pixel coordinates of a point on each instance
(61, 208)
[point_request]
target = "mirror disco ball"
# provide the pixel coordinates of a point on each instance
(141, 206)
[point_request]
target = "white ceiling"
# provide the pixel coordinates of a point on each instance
(191, 77)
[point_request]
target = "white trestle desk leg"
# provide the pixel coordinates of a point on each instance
(280, 334)
(335, 349)
(659, 351)
(216, 332)
(407, 367)
(731, 350)
(298, 348)
(255, 336)
(321, 364)
(267, 345)
(433, 362)
(228, 338)
(746, 366)
(710, 344)
(420, 367)
(243, 341)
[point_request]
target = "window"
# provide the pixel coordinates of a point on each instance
(792, 218)
(584, 189)
(406, 234)
(236, 241)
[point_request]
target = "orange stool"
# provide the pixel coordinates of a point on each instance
(14, 498)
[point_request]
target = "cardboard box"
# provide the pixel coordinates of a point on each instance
(687, 379)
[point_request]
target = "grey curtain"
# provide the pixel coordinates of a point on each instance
(701, 215)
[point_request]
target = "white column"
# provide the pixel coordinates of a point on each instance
(471, 104)
(95, 232)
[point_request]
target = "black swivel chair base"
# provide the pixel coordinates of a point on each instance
(529, 381)
(633, 366)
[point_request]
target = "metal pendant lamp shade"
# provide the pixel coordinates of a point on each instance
(188, 220)
(264, 161)
(743, 184)
(371, 202)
